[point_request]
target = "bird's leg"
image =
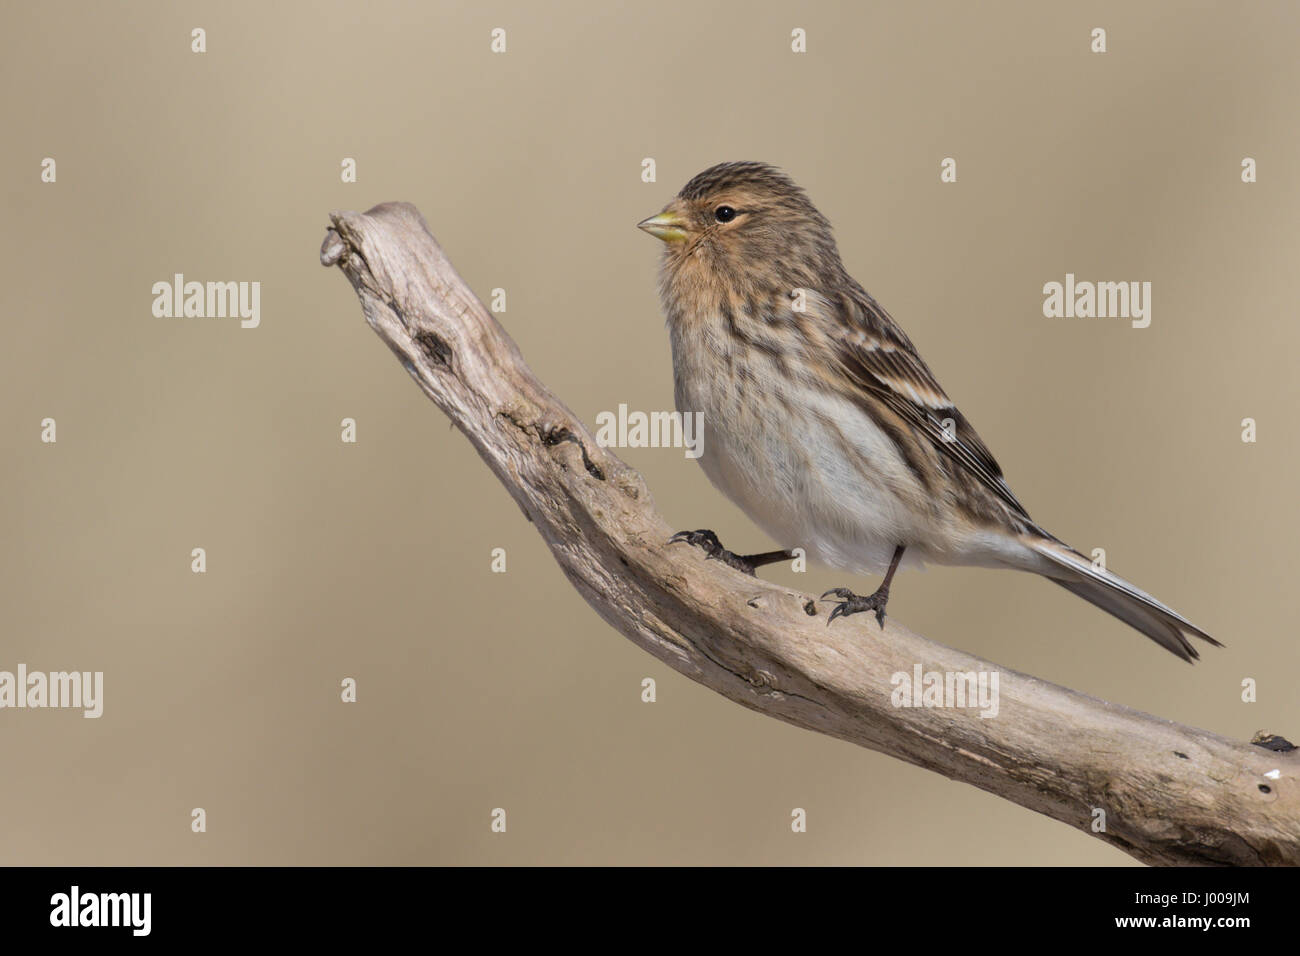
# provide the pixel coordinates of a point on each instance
(708, 542)
(851, 603)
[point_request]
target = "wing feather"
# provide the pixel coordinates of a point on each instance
(878, 357)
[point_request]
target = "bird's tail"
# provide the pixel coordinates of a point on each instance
(1114, 595)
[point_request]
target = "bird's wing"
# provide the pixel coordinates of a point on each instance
(879, 358)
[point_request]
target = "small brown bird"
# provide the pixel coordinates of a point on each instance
(825, 426)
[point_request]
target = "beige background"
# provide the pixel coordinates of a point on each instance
(480, 690)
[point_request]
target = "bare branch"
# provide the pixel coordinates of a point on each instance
(1171, 794)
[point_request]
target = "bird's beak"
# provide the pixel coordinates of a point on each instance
(668, 226)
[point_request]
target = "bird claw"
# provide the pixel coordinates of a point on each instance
(713, 550)
(854, 604)
(703, 539)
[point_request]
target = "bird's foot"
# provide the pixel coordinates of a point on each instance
(708, 542)
(851, 603)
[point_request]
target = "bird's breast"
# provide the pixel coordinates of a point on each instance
(809, 466)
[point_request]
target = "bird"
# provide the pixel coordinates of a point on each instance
(825, 425)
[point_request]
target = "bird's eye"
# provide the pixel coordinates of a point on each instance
(724, 214)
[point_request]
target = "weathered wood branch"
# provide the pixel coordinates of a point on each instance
(1171, 794)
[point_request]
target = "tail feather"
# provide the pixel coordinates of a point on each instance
(1118, 597)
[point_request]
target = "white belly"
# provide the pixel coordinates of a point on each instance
(840, 491)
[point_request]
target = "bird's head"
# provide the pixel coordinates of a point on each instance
(744, 226)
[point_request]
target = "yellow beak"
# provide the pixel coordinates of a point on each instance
(668, 226)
